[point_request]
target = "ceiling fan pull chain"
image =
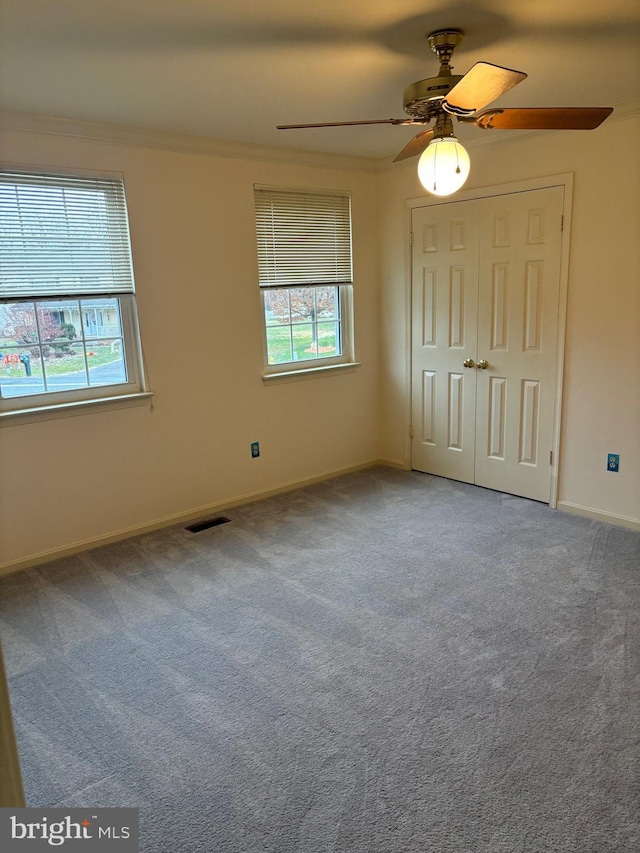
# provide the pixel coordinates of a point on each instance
(435, 168)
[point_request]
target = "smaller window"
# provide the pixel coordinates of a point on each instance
(68, 329)
(305, 277)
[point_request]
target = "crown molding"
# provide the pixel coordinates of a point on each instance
(185, 143)
(209, 146)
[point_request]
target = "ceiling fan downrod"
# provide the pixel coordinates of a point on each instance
(423, 98)
(443, 43)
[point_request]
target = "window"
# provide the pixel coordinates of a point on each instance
(305, 275)
(68, 329)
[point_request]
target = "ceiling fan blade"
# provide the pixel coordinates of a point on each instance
(480, 86)
(348, 123)
(544, 118)
(416, 146)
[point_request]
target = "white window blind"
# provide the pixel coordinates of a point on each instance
(63, 236)
(304, 239)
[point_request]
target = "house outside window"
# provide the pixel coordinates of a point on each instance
(68, 326)
(305, 277)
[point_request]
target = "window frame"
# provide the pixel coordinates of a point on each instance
(311, 366)
(134, 390)
(345, 312)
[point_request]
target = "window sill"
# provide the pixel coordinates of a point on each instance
(78, 407)
(309, 373)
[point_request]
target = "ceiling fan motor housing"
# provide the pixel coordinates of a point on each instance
(423, 98)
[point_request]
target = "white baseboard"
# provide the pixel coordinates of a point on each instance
(199, 512)
(599, 515)
(181, 518)
(395, 463)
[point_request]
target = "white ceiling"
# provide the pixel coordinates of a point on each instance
(233, 69)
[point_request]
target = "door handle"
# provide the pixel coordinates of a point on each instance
(469, 362)
(483, 364)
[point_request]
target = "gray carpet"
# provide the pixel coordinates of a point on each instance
(384, 663)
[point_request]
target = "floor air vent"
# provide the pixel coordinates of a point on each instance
(205, 525)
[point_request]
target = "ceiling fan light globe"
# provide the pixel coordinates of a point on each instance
(443, 166)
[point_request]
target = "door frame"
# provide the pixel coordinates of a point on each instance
(563, 180)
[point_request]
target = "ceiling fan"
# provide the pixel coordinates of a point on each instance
(447, 96)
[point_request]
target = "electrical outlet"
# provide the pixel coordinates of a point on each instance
(613, 461)
(255, 449)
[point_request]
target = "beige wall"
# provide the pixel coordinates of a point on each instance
(79, 478)
(602, 385)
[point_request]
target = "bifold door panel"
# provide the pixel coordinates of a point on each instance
(444, 311)
(485, 295)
